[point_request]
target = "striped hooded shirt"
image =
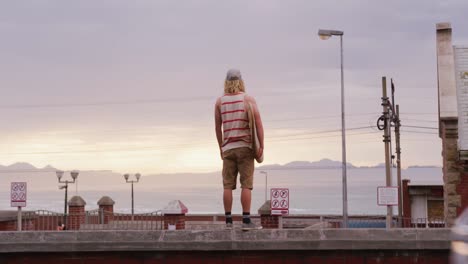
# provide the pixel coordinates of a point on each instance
(236, 131)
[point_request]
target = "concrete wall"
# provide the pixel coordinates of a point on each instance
(228, 246)
(446, 72)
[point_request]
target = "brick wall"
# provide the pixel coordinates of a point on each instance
(8, 225)
(235, 257)
(406, 221)
(269, 221)
(174, 219)
(451, 173)
(462, 190)
(27, 225)
(106, 212)
(76, 217)
(48, 222)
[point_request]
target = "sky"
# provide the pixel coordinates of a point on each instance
(130, 86)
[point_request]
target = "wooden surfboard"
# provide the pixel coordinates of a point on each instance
(253, 133)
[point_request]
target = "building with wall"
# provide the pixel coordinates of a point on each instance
(455, 173)
(423, 203)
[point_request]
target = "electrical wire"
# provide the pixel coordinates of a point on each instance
(107, 103)
(420, 120)
(178, 146)
(419, 132)
(422, 127)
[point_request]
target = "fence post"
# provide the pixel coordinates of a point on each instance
(106, 209)
(267, 220)
(76, 215)
(174, 214)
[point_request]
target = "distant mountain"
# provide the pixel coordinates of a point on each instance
(380, 165)
(321, 164)
(21, 166)
(326, 164)
(24, 166)
(48, 167)
(422, 167)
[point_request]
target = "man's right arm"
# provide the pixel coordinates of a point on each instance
(258, 123)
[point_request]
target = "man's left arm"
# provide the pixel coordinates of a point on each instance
(218, 126)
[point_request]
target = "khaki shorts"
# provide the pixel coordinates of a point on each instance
(238, 161)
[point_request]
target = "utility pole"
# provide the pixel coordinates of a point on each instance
(398, 160)
(391, 115)
(386, 140)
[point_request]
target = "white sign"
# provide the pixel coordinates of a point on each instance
(461, 81)
(18, 194)
(279, 201)
(387, 196)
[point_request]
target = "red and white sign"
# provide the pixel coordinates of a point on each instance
(387, 196)
(18, 194)
(279, 201)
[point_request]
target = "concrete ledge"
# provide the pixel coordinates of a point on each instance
(216, 240)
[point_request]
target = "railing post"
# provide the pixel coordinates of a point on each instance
(267, 220)
(77, 213)
(174, 215)
(106, 204)
(101, 214)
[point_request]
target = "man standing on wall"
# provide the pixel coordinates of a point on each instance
(235, 143)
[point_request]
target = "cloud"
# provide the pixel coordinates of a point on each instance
(57, 52)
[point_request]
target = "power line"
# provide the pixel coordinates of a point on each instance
(305, 138)
(422, 113)
(419, 132)
(278, 138)
(43, 171)
(320, 117)
(109, 103)
(131, 102)
(420, 120)
(159, 147)
(327, 131)
(423, 127)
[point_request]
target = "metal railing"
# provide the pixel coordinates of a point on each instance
(91, 220)
(42, 220)
(103, 220)
(120, 221)
(380, 222)
(432, 222)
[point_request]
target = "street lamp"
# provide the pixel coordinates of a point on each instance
(74, 175)
(266, 183)
(326, 34)
(137, 176)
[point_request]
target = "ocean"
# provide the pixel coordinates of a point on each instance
(312, 191)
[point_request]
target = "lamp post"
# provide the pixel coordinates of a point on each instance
(74, 175)
(137, 176)
(326, 34)
(266, 183)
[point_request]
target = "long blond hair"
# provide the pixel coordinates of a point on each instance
(234, 86)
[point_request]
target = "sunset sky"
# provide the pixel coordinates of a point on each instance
(131, 85)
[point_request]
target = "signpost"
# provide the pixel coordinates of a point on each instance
(279, 201)
(18, 199)
(387, 196)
